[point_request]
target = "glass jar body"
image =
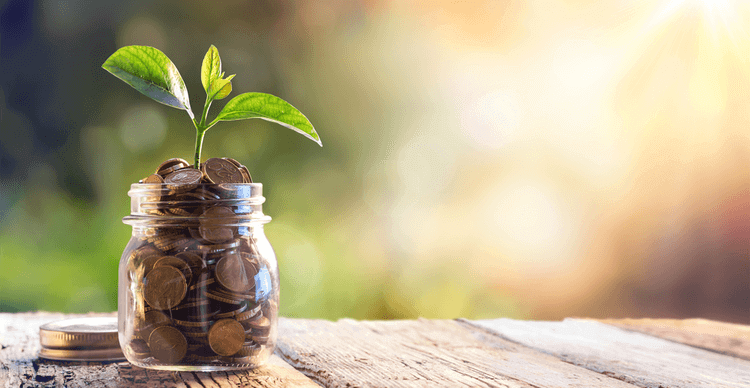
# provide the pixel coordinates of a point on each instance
(198, 285)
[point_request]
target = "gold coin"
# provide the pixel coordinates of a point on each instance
(139, 348)
(155, 318)
(202, 283)
(235, 273)
(242, 307)
(164, 287)
(193, 259)
(178, 263)
(249, 316)
(167, 345)
(226, 337)
(214, 222)
(143, 260)
(185, 176)
(223, 298)
(220, 247)
(171, 163)
(222, 171)
(260, 326)
(153, 179)
(249, 349)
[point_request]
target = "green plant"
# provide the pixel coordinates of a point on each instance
(150, 72)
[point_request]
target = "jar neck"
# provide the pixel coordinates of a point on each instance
(179, 231)
(167, 206)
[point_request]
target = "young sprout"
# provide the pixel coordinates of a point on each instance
(150, 72)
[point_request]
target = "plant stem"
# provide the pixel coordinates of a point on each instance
(204, 115)
(200, 131)
(198, 145)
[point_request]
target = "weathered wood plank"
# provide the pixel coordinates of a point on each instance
(726, 338)
(423, 353)
(636, 358)
(20, 365)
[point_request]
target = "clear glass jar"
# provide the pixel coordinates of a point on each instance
(198, 281)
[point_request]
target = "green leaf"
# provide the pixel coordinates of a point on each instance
(150, 72)
(220, 88)
(211, 68)
(271, 108)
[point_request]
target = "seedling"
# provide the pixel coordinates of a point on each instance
(150, 72)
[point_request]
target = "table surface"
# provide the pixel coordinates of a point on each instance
(430, 353)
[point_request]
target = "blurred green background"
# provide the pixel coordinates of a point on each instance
(529, 159)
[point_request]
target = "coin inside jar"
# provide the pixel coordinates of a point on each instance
(213, 226)
(178, 263)
(219, 170)
(144, 260)
(164, 287)
(151, 320)
(167, 344)
(226, 337)
(235, 273)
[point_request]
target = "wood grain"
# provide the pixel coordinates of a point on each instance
(636, 358)
(726, 338)
(423, 353)
(20, 365)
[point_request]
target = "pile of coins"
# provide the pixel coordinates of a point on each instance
(177, 171)
(200, 288)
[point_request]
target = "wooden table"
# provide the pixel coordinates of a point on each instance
(430, 353)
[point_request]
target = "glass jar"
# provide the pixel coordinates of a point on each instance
(198, 281)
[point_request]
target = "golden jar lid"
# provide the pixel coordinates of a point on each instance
(81, 339)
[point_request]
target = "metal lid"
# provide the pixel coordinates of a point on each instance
(81, 339)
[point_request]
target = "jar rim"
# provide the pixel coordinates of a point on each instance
(137, 188)
(147, 197)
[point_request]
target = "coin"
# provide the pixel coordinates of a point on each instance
(171, 164)
(222, 171)
(219, 247)
(248, 316)
(243, 170)
(170, 170)
(233, 161)
(178, 263)
(192, 259)
(153, 179)
(230, 313)
(143, 260)
(260, 326)
(246, 174)
(139, 348)
(164, 287)
(185, 176)
(214, 222)
(236, 273)
(224, 298)
(167, 345)
(249, 349)
(151, 320)
(226, 337)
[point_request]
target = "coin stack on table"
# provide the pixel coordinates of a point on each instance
(202, 290)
